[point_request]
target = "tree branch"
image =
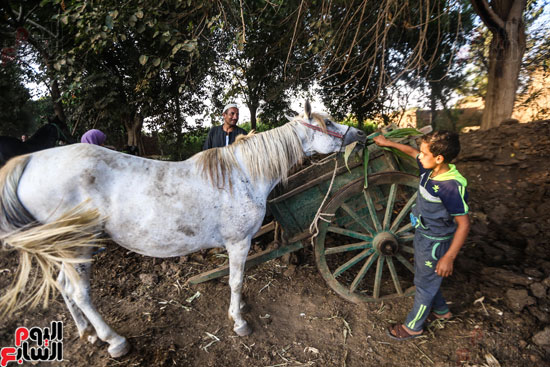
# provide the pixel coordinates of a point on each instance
(293, 36)
(20, 20)
(488, 15)
(242, 19)
(517, 9)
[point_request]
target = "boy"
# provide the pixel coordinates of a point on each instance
(440, 217)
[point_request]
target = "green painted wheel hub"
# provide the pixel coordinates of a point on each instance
(386, 244)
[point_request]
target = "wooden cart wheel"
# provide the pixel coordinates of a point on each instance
(365, 253)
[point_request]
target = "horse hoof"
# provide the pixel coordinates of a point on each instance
(120, 349)
(92, 339)
(243, 330)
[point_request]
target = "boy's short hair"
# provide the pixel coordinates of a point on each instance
(444, 143)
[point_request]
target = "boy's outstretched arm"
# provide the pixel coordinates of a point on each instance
(382, 141)
(444, 266)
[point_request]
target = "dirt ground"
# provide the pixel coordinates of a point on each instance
(499, 292)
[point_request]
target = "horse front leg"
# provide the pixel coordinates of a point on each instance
(237, 259)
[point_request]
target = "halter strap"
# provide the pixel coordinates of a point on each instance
(324, 131)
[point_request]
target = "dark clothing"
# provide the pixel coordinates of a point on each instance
(427, 253)
(439, 200)
(217, 137)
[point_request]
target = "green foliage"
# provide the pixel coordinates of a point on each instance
(364, 50)
(14, 97)
(265, 61)
(145, 59)
(368, 126)
(260, 127)
(477, 71)
(177, 147)
(160, 61)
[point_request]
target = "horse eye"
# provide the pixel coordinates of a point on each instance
(328, 122)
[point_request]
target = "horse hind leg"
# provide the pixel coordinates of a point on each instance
(237, 258)
(118, 345)
(85, 330)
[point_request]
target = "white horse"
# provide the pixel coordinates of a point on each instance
(56, 204)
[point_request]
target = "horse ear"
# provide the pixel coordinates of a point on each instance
(308, 110)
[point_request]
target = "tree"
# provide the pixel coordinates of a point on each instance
(122, 65)
(33, 24)
(366, 51)
(265, 64)
(504, 19)
(13, 101)
(444, 39)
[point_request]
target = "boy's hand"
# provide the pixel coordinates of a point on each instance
(444, 266)
(381, 141)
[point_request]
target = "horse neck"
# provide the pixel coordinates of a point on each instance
(43, 138)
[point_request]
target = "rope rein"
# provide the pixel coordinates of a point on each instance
(314, 227)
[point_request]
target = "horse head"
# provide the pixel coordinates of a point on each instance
(320, 134)
(63, 132)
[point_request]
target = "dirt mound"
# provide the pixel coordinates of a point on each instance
(509, 181)
(509, 248)
(498, 294)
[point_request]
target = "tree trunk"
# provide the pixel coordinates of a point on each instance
(56, 98)
(133, 127)
(433, 107)
(505, 58)
(54, 87)
(253, 108)
(504, 18)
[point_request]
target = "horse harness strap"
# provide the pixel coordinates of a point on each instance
(324, 131)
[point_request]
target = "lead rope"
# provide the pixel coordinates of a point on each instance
(314, 227)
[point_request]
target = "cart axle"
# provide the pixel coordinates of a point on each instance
(386, 244)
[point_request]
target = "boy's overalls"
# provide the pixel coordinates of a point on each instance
(439, 200)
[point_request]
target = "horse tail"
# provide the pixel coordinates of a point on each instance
(50, 245)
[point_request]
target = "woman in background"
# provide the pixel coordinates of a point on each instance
(94, 136)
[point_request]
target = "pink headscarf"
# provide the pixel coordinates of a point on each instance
(93, 136)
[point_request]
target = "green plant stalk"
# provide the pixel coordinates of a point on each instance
(395, 134)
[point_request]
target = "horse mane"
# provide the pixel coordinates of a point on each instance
(268, 155)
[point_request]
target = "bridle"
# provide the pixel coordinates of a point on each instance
(331, 133)
(328, 132)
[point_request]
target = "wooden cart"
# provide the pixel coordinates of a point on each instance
(364, 251)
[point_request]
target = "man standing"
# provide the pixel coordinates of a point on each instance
(223, 135)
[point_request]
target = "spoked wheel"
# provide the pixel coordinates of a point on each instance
(365, 253)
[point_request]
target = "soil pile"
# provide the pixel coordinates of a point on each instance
(509, 181)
